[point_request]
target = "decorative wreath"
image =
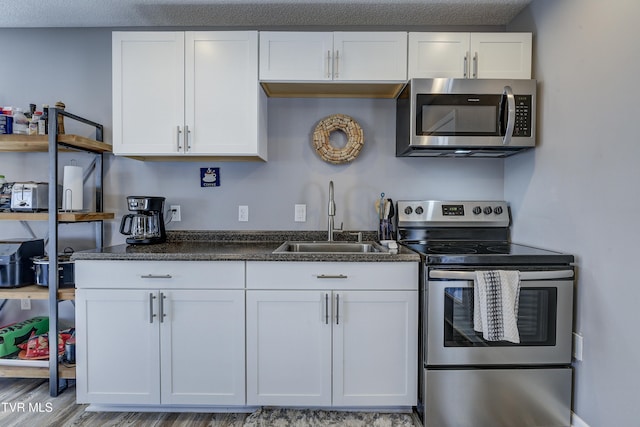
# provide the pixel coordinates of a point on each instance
(331, 154)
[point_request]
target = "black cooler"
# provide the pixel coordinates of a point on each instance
(16, 265)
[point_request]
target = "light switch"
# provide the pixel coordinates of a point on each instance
(300, 213)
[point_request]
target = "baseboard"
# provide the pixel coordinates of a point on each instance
(576, 421)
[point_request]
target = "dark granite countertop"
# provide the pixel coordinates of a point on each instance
(238, 246)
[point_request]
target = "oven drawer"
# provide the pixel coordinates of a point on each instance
(498, 397)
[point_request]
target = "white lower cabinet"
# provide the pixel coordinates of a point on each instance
(345, 345)
(159, 346)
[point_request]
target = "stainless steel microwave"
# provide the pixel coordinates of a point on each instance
(465, 117)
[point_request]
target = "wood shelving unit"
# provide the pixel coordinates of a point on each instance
(40, 143)
(62, 216)
(36, 292)
(52, 144)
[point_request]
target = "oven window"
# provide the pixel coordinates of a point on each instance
(536, 319)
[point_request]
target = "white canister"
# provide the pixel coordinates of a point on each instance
(72, 188)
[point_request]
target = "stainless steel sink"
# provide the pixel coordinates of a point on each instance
(331, 247)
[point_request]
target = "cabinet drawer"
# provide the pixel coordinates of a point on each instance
(160, 274)
(332, 275)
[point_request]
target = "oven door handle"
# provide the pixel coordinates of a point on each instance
(524, 275)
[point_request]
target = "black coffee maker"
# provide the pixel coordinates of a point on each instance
(146, 225)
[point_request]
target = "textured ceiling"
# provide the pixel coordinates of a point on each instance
(256, 13)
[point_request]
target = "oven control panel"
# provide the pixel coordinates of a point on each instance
(438, 213)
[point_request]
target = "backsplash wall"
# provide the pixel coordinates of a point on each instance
(293, 175)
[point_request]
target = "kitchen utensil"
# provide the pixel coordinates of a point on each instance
(32, 196)
(16, 265)
(66, 270)
(72, 183)
(146, 226)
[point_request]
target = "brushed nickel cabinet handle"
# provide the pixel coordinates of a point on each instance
(162, 313)
(337, 309)
(179, 147)
(331, 276)
(156, 276)
(328, 64)
(187, 138)
(326, 309)
(336, 74)
(151, 314)
(465, 69)
(475, 65)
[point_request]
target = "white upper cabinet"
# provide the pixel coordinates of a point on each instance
(188, 94)
(470, 55)
(148, 92)
(333, 56)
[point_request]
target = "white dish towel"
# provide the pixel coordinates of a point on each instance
(495, 310)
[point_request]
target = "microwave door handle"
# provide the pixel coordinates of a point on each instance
(507, 94)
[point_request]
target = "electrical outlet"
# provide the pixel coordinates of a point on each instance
(577, 346)
(176, 215)
(243, 213)
(25, 304)
(300, 213)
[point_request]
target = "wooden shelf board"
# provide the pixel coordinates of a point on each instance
(64, 372)
(62, 216)
(40, 143)
(36, 292)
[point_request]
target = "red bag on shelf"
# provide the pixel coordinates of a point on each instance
(37, 347)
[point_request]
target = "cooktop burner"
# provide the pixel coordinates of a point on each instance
(456, 247)
(466, 233)
(485, 253)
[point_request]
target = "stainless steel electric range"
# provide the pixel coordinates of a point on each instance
(466, 380)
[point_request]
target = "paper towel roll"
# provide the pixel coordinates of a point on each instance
(72, 188)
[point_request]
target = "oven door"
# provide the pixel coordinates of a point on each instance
(545, 316)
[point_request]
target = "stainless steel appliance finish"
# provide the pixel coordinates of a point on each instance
(467, 381)
(498, 397)
(16, 265)
(32, 196)
(146, 226)
(465, 117)
(540, 299)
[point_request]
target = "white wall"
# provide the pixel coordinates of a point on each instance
(578, 191)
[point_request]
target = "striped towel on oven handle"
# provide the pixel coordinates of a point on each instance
(495, 309)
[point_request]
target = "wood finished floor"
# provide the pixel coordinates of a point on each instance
(26, 402)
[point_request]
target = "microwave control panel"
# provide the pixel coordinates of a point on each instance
(523, 116)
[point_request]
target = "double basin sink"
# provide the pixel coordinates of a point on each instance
(332, 248)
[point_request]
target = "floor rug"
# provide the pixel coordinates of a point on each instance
(279, 417)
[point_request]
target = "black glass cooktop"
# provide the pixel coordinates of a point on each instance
(485, 252)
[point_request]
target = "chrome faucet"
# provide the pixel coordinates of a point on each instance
(332, 214)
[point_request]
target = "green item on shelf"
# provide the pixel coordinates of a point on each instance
(12, 335)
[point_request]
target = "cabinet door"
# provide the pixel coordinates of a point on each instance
(501, 55)
(117, 347)
(289, 348)
(202, 347)
(287, 55)
(221, 92)
(370, 56)
(375, 348)
(148, 92)
(434, 55)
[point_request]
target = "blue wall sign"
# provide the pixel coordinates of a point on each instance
(209, 177)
